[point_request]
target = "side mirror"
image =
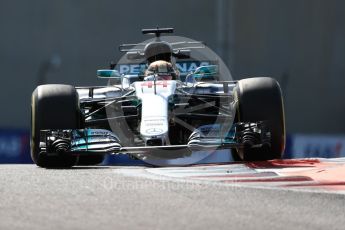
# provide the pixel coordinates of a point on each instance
(108, 73)
(205, 73)
(207, 70)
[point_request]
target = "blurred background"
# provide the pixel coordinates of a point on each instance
(301, 43)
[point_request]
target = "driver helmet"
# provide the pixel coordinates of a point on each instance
(162, 69)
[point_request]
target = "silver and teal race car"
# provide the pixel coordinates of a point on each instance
(148, 117)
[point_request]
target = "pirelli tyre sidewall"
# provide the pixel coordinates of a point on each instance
(53, 107)
(260, 99)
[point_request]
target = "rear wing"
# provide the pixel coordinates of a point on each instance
(176, 46)
(179, 49)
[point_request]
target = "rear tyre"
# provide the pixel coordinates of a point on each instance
(260, 99)
(53, 107)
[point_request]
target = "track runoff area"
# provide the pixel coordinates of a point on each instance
(277, 194)
(317, 175)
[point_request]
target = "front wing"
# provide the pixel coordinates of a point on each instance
(101, 141)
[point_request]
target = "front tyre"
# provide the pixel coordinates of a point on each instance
(53, 107)
(260, 99)
(90, 160)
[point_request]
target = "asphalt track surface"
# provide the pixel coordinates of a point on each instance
(122, 197)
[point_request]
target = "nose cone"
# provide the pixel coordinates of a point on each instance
(154, 126)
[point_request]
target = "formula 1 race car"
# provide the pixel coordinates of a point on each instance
(159, 112)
